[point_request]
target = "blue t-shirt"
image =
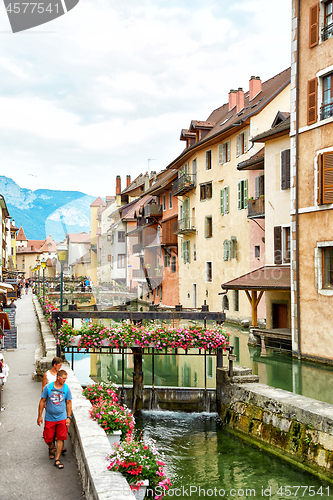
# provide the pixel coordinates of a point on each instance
(56, 403)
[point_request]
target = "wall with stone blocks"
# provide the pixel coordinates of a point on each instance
(297, 428)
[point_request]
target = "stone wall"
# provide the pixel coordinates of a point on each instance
(297, 428)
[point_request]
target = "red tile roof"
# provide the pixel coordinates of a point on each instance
(79, 238)
(21, 236)
(264, 278)
(98, 202)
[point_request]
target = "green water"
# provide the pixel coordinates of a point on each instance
(200, 453)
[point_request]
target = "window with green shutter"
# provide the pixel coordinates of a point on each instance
(186, 251)
(224, 200)
(226, 250)
(242, 194)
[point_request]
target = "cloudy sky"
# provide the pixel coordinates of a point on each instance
(98, 91)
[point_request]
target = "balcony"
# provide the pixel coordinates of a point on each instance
(326, 111)
(168, 236)
(184, 226)
(137, 248)
(138, 274)
(184, 183)
(152, 210)
(327, 32)
(256, 208)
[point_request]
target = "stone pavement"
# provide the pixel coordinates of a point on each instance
(25, 468)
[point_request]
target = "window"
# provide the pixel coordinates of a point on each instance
(225, 303)
(328, 19)
(281, 245)
(257, 252)
(224, 200)
(194, 171)
(108, 237)
(121, 236)
(121, 260)
(285, 169)
(170, 199)
(173, 264)
(324, 267)
(194, 253)
(208, 226)
(209, 366)
(236, 300)
(206, 191)
(164, 202)
(166, 260)
(209, 272)
(241, 143)
(109, 258)
(224, 152)
(242, 194)
(326, 109)
(259, 183)
(208, 159)
(186, 251)
(230, 248)
(325, 181)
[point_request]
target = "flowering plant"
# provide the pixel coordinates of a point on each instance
(65, 333)
(96, 392)
(138, 460)
(113, 417)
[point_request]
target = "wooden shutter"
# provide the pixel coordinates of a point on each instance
(220, 153)
(256, 187)
(233, 247)
(222, 201)
(245, 140)
(238, 142)
(245, 193)
(314, 26)
(228, 150)
(226, 250)
(312, 101)
(327, 178)
(226, 208)
(261, 185)
(239, 193)
(285, 169)
(277, 245)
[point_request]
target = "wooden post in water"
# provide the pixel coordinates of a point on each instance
(137, 403)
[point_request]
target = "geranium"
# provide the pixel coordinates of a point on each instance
(96, 392)
(113, 417)
(137, 460)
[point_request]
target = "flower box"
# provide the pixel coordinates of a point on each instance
(75, 340)
(114, 438)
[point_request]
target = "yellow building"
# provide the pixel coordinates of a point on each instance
(213, 228)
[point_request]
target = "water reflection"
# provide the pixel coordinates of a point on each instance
(200, 453)
(275, 368)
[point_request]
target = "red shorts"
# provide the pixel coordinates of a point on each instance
(56, 430)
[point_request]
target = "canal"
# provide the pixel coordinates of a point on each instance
(203, 459)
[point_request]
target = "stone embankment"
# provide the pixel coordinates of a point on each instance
(297, 428)
(89, 441)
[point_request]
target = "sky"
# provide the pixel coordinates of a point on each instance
(99, 91)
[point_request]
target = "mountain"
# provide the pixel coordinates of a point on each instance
(46, 211)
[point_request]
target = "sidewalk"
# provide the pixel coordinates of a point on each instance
(26, 470)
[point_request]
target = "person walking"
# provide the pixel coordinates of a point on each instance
(51, 375)
(58, 412)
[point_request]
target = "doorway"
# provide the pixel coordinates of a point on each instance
(280, 315)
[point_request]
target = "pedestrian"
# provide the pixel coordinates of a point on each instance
(51, 375)
(4, 369)
(12, 304)
(58, 413)
(26, 287)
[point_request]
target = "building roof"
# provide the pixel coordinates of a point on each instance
(227, 122)
(98, 203)
(264, 278)
(13, 227)
(281, 128)
(79, 237)
(29, 249)
(21, 236)
(49, 245)
(164, 180)
(256, 162)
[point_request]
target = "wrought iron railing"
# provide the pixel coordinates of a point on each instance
(326, 111)
(152, 210)
(186, 225)
(184, 183)
(327, 32)
(137, 247)
(256, 208)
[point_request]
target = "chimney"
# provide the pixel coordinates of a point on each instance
(239, 100)
(153, 175)
(128, 180)
(118, 185)
(146, 178)
(232, 99)
(255, 87)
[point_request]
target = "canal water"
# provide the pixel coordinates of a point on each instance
(204, 460)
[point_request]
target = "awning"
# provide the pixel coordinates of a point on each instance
(264, 279)
(8, 286)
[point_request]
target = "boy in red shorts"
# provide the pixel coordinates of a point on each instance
(58, 399)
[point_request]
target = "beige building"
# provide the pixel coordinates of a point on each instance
(213, 227)
(312, 181)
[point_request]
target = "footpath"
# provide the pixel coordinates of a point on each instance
(25, 468)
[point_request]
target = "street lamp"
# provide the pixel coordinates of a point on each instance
(38, 284)
(62, 252)
(43, 263)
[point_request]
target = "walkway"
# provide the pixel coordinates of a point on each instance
(26, 471)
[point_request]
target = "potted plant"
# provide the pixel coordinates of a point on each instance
(113, 417)
(140, 462)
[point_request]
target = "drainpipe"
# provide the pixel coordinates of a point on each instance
(298, 312)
